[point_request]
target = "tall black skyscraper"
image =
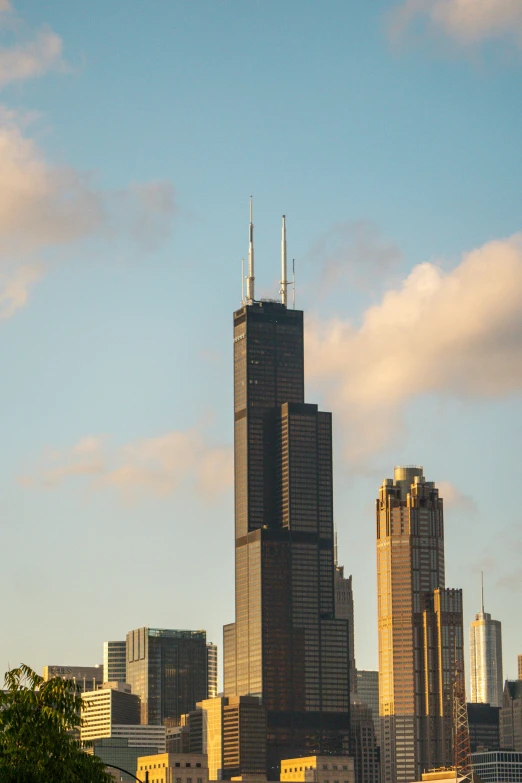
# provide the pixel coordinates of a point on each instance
(286, 645)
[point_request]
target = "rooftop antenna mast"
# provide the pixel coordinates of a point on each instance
(250, 279)
(283, 263)
(482, 589)
(242, 281)
(293, 283)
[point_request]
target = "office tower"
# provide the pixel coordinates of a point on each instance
(212, 670)
(343, 602)
(520, 667)
(367, 694)
(286, 645)
(318, 769)
(115, 661)
(484, 727)
(497, 766)
(485, 647)
(511, 716)
(173, 768)
(87, 678)
(105, 707)
(231, 731)
(420, 629)
(363, 745)
(167, 669)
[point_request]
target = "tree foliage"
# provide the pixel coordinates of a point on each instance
(39, 722)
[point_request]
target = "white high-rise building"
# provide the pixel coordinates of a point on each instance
(485, 645)
(114, 661)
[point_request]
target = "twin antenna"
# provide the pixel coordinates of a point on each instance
(250, 278)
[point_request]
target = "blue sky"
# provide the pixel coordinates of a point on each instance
(131, 136)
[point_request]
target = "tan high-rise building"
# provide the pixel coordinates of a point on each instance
(231, 732)
(420, 629)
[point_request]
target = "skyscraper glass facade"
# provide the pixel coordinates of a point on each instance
(485, 648)
(286, 645)
(167, 669)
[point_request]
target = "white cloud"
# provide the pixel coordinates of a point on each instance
(464, 21)
(148, 466)
(31, 59)
(457, 332)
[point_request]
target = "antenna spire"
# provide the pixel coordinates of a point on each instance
(283, 262)
(250, 278)
(482, 589)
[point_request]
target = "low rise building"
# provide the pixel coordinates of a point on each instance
(173, 768)
(498, 766)
(319, 769)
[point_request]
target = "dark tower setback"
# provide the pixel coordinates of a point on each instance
(286, 645)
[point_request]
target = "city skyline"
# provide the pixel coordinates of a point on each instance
(126, 173)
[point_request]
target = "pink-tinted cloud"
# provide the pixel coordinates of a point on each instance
(15, 287)
(464, 21)
(457, 332)
(157, 466)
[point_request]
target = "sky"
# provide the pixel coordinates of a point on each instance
(131, 137)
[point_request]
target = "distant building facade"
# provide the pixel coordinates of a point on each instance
(511, 716)
(485, 647)
(115, 661)
(498, 766)
(88, 678)
(167, 669)
(363, 744)
(484, 727)
(343, 601)
(419, 628)
(367, 693)
(140, 735)
(212, 670)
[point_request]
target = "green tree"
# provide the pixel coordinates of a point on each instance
(38, 741)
